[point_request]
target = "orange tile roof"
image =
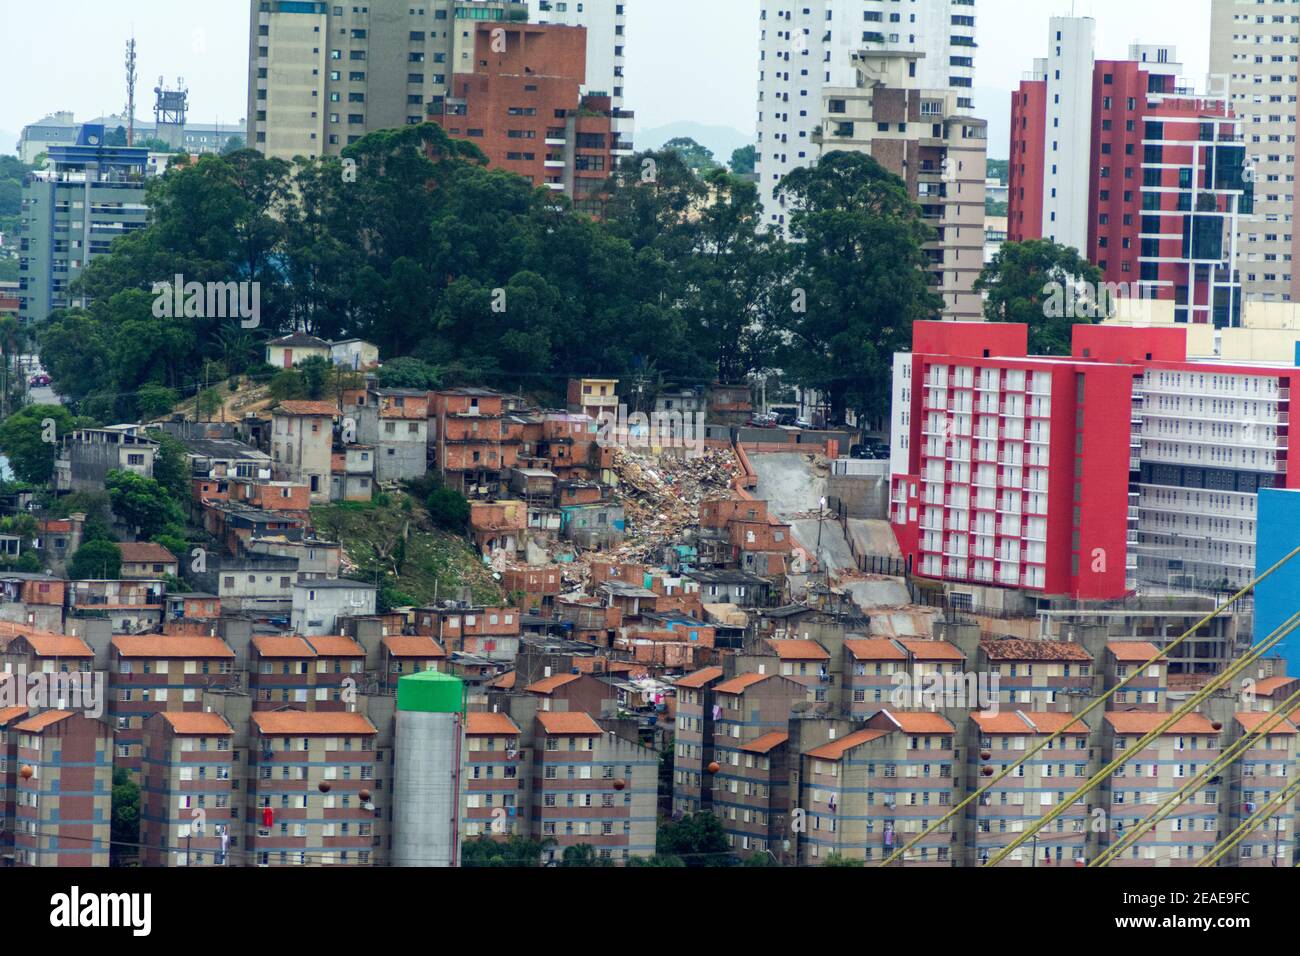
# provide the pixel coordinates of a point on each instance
(700, 677)
(38, 723)
(290, 723)
(1266, 687)
(1003, 722)
(796, 649)
(197, 724)
(1252, 719)
(548, 685)
(1133, 651)
(170, 646)
(145, 551)
(57, 645)
(413, 645)
(574, 723)
(765, 743)
(306, 408)
(917, 722)
(335, 645)
(838, 748)
(932, 650)
(740, 682)
(1050, 721)
(486, 723)
(1014, 649)
(1027, 722)
(504, 681)
(9, 713)
(285, 645)
(875, 649)
(1143, 722)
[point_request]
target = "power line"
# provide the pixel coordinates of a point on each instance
(1098, 702)
(1188, 707)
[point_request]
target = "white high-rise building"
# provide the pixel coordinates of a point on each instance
(606, 23)
(1067, 152)
(1254, 48)
(807, 45)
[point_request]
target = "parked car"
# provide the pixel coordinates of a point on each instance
(41, 379)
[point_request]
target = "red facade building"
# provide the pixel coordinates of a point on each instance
(521, 104)
(1166, 187)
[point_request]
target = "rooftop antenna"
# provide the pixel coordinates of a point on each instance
(130, 92)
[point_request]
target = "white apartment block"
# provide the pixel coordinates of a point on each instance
(1209, 438)
(1067, 153)
(967, 409)
(1255, 45)
(806, 45)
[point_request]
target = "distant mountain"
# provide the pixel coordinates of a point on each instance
(721, 140)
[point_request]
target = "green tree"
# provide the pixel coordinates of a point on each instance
(859, 277)
(1045, 285)
(582, 854)
(171, 467)
(698, 839)
(407, 372)
(207, 403)
(736, 273)
(514, 851)
(698, 158)
(142, 503)
(317, 373)
(30, 440)
(655, 860)
(155, 401)
(743, 159)
(96, 559)
(448, 509)
(839, 859)
(125, 809)
(287, 384)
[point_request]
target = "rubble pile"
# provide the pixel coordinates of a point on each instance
(661, 496)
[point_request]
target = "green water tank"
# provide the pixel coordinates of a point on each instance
(431, 692)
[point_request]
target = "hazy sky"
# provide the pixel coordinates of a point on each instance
(687, 59)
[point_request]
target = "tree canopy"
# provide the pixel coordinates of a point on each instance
(1045, 285)
(482, 278)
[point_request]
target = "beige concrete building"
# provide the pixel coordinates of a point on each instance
(1264, 769)
(995, 740)
(923, 136)
(1253, 49)
(322, 75)
(1147, 777)
(866, 793)
(302, 441)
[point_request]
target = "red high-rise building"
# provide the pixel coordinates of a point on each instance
(1082, 476)
(1167, 181)
(1025, 167)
